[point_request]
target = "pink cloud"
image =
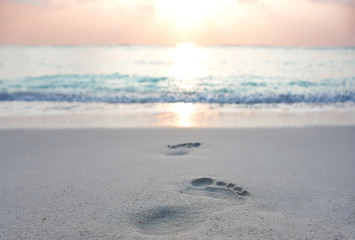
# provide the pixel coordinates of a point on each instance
(350, 2)
(92, 22)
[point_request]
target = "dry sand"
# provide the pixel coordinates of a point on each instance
(256, 183)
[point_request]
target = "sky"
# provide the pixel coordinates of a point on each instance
(203, 22)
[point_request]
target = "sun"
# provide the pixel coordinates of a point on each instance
(187, 58)
(187, 12)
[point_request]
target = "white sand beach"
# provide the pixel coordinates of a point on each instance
(187, 120)
(255, 183)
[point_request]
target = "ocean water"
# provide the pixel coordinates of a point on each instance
(185, 73)
(71, 78)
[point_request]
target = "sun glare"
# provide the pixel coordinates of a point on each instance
(184, 113)
(187, 64)
(187, 12)
(187, 67)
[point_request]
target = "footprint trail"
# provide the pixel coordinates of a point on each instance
(185, 145)
(165, 220)
(209, 187)
(175, 219)
(182, 149)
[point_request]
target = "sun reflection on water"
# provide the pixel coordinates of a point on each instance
(187, 65)
(183, 114)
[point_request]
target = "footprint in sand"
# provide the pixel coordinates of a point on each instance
(208, 187)
(182, 149)
(172, 220)
(165, 220)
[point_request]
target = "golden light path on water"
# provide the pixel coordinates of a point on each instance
(186, 68)
(187, 64)
(183, 114)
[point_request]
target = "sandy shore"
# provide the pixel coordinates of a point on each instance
(56, 115)
(256, 183)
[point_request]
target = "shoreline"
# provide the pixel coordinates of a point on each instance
(185, 115)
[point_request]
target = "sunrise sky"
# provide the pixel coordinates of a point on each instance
(251, 22)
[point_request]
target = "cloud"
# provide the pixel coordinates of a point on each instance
(148, 8)
(39, 3)
(32, 2)
(350, 2)
(44, 3)
(293, 22)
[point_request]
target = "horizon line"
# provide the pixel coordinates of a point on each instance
(173, 45)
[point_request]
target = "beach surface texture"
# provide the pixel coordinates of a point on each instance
(177, 142)
(166, 183)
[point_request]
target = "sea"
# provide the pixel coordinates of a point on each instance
(183, 78)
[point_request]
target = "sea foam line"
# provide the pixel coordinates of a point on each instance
(321, 98)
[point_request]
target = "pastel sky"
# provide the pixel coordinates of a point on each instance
(251, 22)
